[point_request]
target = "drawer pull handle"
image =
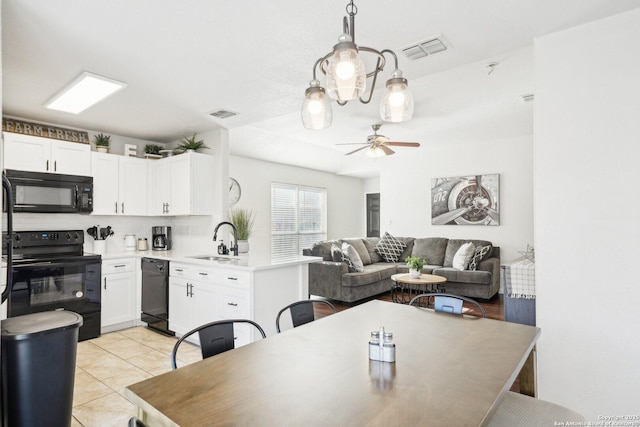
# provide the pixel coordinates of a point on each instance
(233, 304)
(232, 278)
(203, 274)
(119, 265)
(179, 269)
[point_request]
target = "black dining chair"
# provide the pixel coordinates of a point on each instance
(448, 303)
(215, 337)
(135, 422)
(302, 311)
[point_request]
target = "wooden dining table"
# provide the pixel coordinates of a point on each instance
(449, 370)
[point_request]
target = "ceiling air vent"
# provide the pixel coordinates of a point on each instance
(222, 114)
(426, 47)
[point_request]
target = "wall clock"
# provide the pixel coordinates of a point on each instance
(234, 192)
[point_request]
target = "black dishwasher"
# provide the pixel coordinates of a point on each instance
(155, 295)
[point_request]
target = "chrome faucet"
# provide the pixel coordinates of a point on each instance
(234, 248)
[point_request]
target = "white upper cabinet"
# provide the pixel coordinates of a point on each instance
(134, 188)
(32, 153)
(182, 185)
(104, 169)
(120, 184)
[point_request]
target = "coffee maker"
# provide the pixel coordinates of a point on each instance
(161, 238)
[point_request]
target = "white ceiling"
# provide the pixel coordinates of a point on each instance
(182, 60)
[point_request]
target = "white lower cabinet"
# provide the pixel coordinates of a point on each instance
(197, 296)
(191, 304)
(118, 294)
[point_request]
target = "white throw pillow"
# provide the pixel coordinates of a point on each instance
(351, 253)
(463, 256)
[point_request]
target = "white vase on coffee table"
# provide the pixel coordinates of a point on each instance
(414, 273)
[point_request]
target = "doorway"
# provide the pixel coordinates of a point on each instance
(373, 215)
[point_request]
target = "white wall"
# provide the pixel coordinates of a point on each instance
(477, 125)
(121, 225)
(344, 197)
(406, 190)
(371, 185)
(586, 152)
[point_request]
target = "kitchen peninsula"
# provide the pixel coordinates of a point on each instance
(204, 288)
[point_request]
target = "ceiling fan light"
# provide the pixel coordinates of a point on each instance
(375, 152)
(346, 75)
(316, 111)
(397, 102)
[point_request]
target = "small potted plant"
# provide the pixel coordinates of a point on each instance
(190, 144)
(243, 220)
(152, 151)
(102, 142)
(415, 265)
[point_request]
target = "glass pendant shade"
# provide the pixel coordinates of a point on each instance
(375, 152)
(346, 80)
(397, 102)
(316, 111)
(346, 75)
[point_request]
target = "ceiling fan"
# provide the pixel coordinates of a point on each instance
(378, 145)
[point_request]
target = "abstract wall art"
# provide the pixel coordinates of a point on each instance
(466, 200)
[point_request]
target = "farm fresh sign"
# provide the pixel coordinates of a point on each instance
(44, 131)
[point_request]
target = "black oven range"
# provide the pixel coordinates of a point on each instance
(51, 272)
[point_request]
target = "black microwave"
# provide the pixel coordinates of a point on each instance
(50, 192)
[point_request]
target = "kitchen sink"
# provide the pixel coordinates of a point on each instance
(212, 258)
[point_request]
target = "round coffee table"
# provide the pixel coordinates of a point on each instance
(407, 287)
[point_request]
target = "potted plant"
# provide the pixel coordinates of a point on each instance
(102, 142)
(415, 265)
(190, 144)
(152, 151)
(243, 220)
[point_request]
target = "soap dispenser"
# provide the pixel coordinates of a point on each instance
(222, 249)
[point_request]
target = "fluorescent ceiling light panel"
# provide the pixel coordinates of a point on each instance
(84, 91)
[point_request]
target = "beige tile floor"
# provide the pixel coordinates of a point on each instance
(106, 365)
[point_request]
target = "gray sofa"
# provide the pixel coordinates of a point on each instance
(333, 280)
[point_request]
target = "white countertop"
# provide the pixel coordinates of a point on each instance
(247, 261)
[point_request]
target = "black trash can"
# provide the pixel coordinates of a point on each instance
(38, 368)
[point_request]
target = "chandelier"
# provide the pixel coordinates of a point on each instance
(346, 79)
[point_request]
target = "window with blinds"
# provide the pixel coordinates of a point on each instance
(298, 219)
